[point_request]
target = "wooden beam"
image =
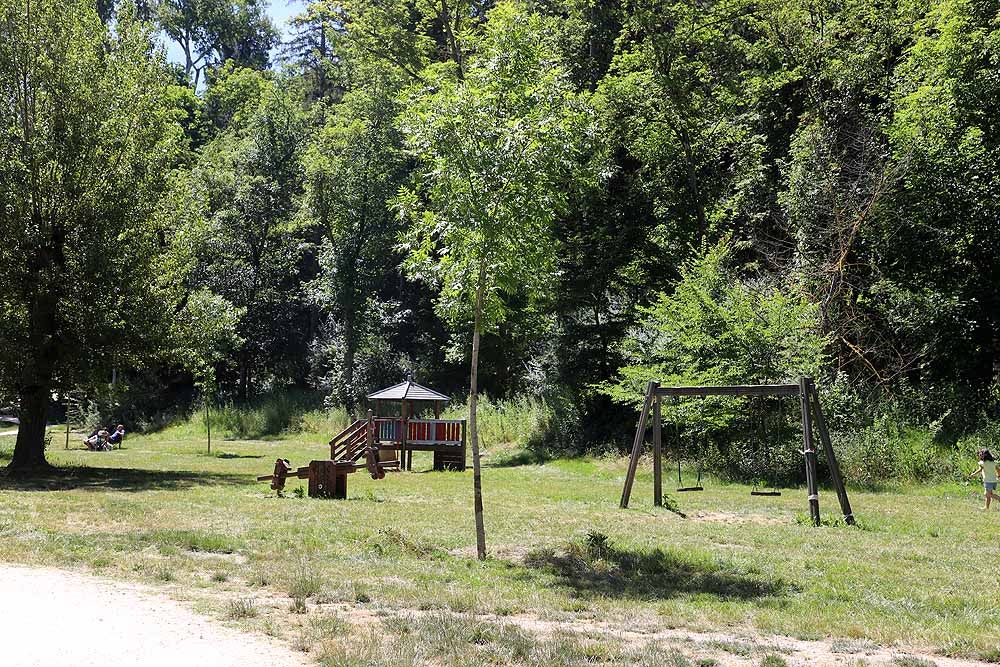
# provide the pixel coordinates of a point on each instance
(809, 449)
(831, 458)
(640, 434)
(732, 390)
(657, 455)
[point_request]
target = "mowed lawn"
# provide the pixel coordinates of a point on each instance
(920, 570)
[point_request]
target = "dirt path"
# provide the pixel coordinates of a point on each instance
(54, 617)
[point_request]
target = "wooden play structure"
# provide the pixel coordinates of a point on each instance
(382, 442)
(812, 414)
(398, 430)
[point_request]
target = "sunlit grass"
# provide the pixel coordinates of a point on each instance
(165, 511)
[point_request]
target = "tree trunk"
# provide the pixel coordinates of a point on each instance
(243, 390)
(36, 377)
(29, 449)
(349, 351)
(477, 480)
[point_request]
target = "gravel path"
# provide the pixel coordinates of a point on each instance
(53, 617)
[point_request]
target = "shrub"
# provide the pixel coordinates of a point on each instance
(889, 450)
(242, 608)
(722, 325)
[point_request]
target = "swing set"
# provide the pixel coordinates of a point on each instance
(811, 414)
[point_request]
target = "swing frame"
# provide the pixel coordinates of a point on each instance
(811, 412)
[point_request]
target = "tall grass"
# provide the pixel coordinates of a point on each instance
(271, 415)
(519, 422)
(891, 452)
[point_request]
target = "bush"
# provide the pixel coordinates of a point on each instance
(724, 324)
(517, 421)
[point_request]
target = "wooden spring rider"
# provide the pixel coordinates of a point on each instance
(328, 479)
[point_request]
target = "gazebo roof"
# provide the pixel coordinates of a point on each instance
(407, 391)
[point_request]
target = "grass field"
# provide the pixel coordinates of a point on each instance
(918, 571)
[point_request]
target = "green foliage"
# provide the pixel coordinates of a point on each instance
(271, 415)
(498, 143)
(210, 32)
(86, 140)
(238, 226)
(522, 421)
(354, 167)
(216, 227)
(719, 328)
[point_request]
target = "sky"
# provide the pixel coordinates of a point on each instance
(279, 11)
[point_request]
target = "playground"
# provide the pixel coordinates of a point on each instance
(715, 575)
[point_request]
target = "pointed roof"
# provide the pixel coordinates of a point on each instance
(407, 391)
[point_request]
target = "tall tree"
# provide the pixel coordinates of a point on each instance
(210, 32)
(250, 177)
(86, 141)
(311, 47)
(499, 141)
(355, 167)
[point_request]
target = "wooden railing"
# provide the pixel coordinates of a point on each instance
(434, 431)
(419, 431)
(345, 444)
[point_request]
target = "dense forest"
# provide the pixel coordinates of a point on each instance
(607, 191)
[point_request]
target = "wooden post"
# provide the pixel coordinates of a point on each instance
(657, 455)
(404, 422)
(640, 435)
(67, 426)
(831, 457)
(463, 445)
(370, 431)
(208, 425)
(323, 481)
(809, 449)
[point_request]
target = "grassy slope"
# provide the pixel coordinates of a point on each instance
(162, 510)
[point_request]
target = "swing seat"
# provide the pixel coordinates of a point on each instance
(765, 492)
(690, 488)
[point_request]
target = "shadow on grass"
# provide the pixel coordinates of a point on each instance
(227, 455)
(599, 569)
(116, 479)
(520, 457)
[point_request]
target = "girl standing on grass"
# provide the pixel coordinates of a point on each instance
(988, 471)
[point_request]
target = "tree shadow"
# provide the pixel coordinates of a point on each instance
(601, 570)
(227, 455)
(517, 458)
(115, 479)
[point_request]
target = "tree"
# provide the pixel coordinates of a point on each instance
(498, 150)
(311, 47)
(210, 32)
(204, 334)
(677, 98)
(354, 168)
(253, 253)
(86, 141)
